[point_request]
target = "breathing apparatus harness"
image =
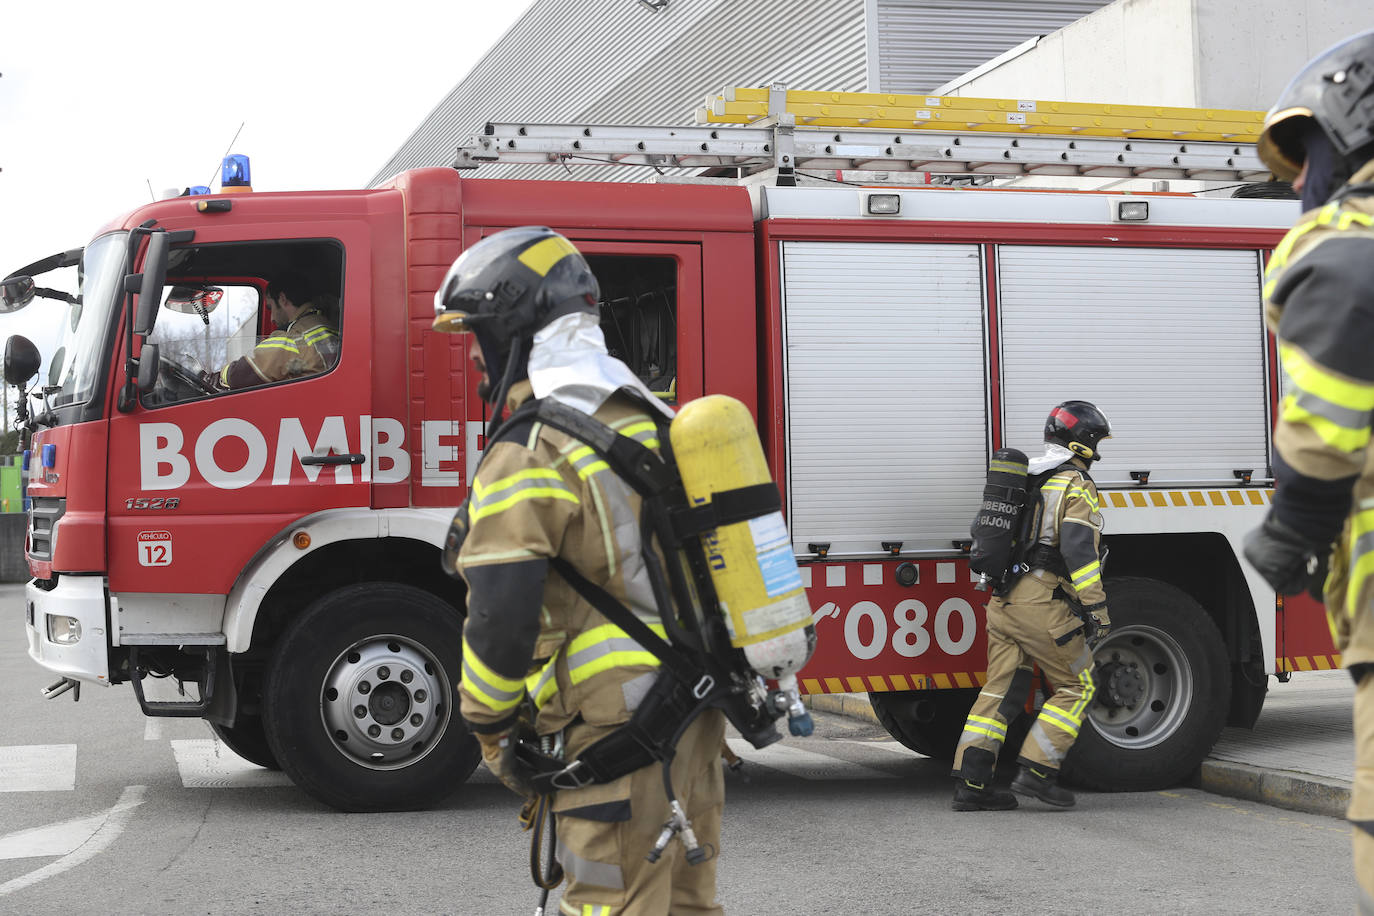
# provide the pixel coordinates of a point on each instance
(699, 667)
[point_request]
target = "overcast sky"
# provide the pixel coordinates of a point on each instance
(101, 101)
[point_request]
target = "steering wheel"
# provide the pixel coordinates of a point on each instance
(178, 377)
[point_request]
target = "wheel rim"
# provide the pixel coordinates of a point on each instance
(1145, 687)
(384, 702)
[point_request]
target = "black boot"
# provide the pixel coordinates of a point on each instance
(972, 796)
(1043, 783)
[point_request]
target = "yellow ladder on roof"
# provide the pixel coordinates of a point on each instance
(909, 112)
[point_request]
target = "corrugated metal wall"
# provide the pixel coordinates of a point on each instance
(923, 44)
(595, 61)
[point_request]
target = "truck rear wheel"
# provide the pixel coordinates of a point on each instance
(360, 704)
(1163, 690)
(927, 721)
(248, 740)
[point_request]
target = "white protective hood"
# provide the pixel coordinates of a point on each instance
(569, 363)
(1055, 455)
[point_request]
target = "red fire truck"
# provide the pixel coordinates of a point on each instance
(275, 548)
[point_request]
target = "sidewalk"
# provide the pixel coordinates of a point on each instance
(1300, 754)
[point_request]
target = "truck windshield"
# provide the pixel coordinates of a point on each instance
(83, 354)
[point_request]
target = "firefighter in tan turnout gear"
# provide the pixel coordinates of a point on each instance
(305, 341)
(1319, 292)
(1048, 616)
(536, 654)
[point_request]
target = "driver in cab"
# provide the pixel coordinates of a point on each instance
(305, 342)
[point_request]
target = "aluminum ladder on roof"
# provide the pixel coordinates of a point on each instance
(791, 130)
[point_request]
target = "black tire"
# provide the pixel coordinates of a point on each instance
(927, 721)
(248, 740)
(1164, 688)
(390, 652)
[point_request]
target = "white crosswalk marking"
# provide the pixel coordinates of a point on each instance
(806, 764)
(37, 768)
(205, 763)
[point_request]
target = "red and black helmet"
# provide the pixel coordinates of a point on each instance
(1078, 426)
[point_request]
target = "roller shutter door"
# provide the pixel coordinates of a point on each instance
(1168, 342)
(885, 393)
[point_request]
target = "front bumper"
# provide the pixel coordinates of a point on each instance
(82, 598)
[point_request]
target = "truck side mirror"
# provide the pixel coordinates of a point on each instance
(148, 284)
(15, 293)
(148, 364)
(22, 360)
(55, 366)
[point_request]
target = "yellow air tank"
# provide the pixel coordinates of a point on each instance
(751, 563)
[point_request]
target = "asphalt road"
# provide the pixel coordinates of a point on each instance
(102, 810)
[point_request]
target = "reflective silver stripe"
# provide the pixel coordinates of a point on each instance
(480, 686)
(535, 686)
(602, 874)
(602, 648)
(1344, 417)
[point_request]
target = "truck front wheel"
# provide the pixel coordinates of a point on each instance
(360, 704)
(1163, 690)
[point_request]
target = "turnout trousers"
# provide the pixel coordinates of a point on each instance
(1361, 810)
(605, 831)
(1034, 628)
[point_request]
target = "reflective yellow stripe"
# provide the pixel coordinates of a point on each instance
(1085, 677)
(1060, 719)
(1338, 437)
(1010, 467)
(534, 483)
(541, 256)
(1086, 495)
(990, 723)
(542, 685)
(980, 730)
(497, 692)
(1086, 575)
(605, 647)
(276, 343)
(1308, 376)
(1361, 558)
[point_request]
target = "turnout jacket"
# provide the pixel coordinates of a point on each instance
(1071, 522)
(539, 494)
(308, 345)
(1319, 302)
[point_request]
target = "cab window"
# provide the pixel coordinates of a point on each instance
(246, 315)
(639, 316)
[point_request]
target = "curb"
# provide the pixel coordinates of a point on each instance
(853, 705)
(1301, 792)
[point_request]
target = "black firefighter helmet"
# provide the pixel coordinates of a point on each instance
(507, 287)
(1334, 92)
(1078, 426)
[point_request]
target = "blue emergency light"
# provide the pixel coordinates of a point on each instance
(234, 172)
(196, 190)
(50, 455)
(27, 452)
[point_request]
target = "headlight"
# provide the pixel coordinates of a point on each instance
(64, 631)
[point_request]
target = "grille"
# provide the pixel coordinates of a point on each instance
(44, 511)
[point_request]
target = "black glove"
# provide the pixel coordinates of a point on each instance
(1287, 559)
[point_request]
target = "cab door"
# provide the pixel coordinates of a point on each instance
(202, 477)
